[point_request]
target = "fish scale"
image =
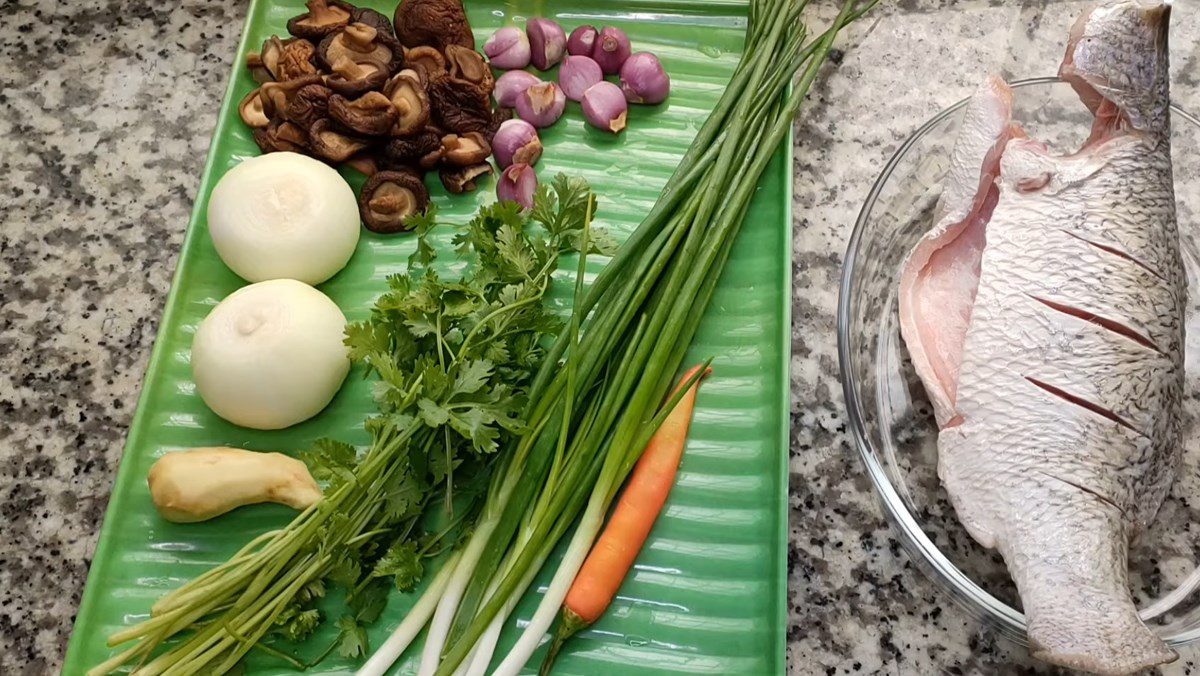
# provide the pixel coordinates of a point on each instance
(1060, 429)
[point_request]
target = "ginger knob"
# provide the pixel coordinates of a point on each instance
(200, 483)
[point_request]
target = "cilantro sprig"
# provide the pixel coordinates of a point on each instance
(451, 359)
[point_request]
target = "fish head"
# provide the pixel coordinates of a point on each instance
(1117, 62)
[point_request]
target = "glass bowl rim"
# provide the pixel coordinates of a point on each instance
(964, 590)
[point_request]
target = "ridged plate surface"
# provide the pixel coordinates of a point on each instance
(708, 594)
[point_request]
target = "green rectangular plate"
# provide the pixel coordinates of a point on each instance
(708, 594)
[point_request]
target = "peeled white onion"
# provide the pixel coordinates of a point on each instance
(283, 215)
(270, 355)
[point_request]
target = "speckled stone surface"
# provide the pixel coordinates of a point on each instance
(102, 140)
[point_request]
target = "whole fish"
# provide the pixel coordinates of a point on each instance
(1044, 315)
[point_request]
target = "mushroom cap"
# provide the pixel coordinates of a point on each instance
(499, 117)
(250, 108)
(423, 149)
(389, 198)
(296, 60)
(458, 180)
(258, 70)
(322, 18)
(375, 20)
(276, 96)
(465, 150)
(460, 106)
(433, 22)
(410, 100)
(269, 55)
(331, 144)
(468, 64)
(361, 44)
(350, 78)
(309, 104)
(426, 60)
(371, 114)
(281, 136)
(366, 162)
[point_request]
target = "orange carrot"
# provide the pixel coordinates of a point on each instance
(614, 552)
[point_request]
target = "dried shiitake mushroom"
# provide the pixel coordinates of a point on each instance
(365, 162)
(371, 114)
(276, 96)
(461, 151)
(321, 19)
(281, 137)
(460, 106)
(258, 70)
(389, 198)
(251, 110)
(408, 97)
(285, 59)
(330, 144)
(361, 44)
(423, 149)
(309, 104)
(462, 179)
(498, 118)
(351, 79)
(433, 22)
(296, 60)
(390, 100)
(427, 60)
(468, 64)
(373, 19)
(269, 55)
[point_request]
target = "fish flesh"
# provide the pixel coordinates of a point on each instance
(1043, 313)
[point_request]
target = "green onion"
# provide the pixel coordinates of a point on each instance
(596, 399)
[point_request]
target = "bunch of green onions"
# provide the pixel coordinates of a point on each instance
(596, 400)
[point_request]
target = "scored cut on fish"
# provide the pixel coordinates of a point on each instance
(1044, 315)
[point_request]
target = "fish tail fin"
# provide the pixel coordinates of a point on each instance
(1075, 587)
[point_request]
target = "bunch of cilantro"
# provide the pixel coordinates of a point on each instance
(452, 357)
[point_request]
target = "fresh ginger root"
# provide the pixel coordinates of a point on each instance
(200, 483)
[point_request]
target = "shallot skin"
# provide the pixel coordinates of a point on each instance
(518, 183)
(547, 42)
(604, 107)
(582, 40)
(542, 104)
(611, 49)
(511, 85)
(507, 49)
(516, 141)
(643, 79)
(576, 74)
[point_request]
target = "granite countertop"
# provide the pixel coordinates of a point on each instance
(102, 149)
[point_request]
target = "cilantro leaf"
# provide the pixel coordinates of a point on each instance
(352, 641)
(345, 571)
(402, 563)
(403, 495)
(432, 413)
(476, 425)
(472, 376)
(330, 460)
(366, 339)
(368, 602)
(298, 626)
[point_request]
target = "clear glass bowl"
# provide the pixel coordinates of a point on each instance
(892, 421)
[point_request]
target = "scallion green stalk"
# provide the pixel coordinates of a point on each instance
(593, 403)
